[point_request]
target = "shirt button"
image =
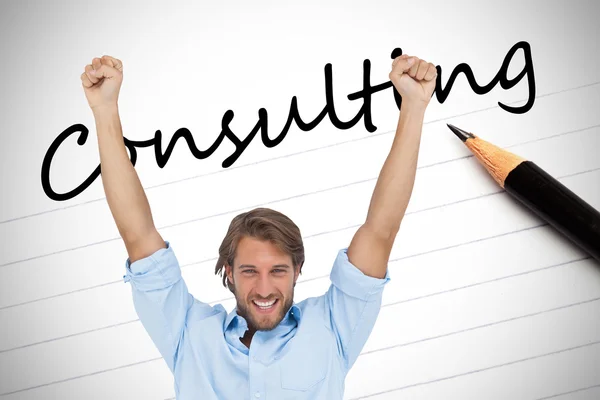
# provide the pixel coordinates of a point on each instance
(257, 395)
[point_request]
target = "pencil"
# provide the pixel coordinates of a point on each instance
(539, 191)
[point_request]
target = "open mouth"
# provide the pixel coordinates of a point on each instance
(265, 307)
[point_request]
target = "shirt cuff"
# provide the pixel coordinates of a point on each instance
(352, 281)
(157, 271)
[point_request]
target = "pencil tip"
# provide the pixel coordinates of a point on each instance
(462, 135)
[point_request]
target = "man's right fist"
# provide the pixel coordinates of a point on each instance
(102, 81)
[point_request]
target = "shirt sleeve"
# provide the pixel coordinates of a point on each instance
(161, 299)
(354, 301)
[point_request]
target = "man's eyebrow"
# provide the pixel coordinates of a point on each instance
(274, 266)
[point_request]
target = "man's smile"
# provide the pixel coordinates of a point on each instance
(265, 307)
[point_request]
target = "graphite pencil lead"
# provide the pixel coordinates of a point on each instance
(462, 135)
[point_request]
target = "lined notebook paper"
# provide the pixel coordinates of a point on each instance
(486, 300)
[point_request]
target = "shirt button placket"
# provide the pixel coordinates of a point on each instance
(257, 383)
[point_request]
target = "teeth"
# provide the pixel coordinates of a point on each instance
(264, 305)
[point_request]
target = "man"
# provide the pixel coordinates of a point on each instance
(268, 347)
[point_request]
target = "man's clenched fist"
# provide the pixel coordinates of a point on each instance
(414, 79)
(102, 81)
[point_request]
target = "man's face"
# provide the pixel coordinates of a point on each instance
(262, 273)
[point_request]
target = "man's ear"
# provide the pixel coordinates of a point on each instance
(297, 273)
(229, 272)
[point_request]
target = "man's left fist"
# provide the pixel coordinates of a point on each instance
(414, 79)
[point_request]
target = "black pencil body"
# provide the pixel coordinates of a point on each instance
(556, 204)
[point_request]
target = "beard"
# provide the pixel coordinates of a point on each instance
(263, 322)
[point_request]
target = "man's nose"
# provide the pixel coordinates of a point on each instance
(264, 286)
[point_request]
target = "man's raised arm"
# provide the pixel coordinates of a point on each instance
(372, 244)
(160, 295)
(124, 193)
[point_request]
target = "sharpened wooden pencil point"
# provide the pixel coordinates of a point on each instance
(462, 135)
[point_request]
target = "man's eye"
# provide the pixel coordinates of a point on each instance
(279, 270)
(248, 271)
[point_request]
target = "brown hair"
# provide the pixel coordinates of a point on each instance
(262, 224)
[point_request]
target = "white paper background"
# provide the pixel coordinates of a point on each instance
(485, 302)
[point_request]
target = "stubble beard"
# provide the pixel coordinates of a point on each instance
(263, 322)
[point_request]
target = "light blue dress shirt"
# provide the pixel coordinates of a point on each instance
(307, 356)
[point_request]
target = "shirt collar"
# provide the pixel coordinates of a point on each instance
(294, 312)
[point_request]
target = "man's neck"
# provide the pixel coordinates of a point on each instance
(247, 339)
